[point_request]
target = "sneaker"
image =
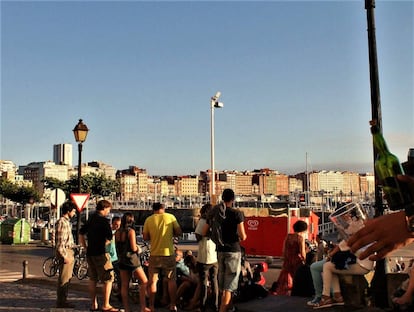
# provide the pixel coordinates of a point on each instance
(315, 301)
(325, 302)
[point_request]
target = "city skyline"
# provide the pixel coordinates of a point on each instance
(294, 78)
(289, 172)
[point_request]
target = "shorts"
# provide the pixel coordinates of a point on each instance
(229, 270)
(100, 268)
(129, 268)
(164, 265)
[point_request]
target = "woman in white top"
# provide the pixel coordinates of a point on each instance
(207, 265)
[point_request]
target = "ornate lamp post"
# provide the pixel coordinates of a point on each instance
(80, 132)
(214, 103)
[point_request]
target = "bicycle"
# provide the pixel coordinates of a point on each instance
(80, 268)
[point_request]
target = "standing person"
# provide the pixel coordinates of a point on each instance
(294, 256)
(228, 255)
(64, 252)
(207, 264)
(160, 228)
(99, 234)
(111, 249)
(126, 244)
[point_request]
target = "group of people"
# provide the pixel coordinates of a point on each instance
(373, 241)
(215, 270)
(99, 262)
(217, 267)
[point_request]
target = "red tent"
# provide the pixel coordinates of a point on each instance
(265, 235)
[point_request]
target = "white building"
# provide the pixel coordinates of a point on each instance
(62, 154)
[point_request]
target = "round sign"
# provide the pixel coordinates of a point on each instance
(57, 197)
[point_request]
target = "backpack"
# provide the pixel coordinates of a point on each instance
(215, 221)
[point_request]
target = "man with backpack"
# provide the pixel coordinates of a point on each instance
(225, 225)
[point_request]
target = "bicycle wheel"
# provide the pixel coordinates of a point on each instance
(81, 270)
(133, 291)
(50, 266)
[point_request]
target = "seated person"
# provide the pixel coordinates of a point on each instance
(403, 297)
(340, 261)
(302, 281)
(182, 271)
(188, 293)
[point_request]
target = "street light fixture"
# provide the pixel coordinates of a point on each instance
(214, 103)
(80, 132)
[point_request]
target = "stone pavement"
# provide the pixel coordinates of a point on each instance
(38, 294)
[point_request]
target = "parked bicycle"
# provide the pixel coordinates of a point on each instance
(80, 268)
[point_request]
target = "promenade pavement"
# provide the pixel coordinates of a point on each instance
(38, 293)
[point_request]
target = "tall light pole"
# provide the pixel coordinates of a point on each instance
(214, 103)
(80, 132)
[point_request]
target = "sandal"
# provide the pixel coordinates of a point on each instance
(338, 301)
(111, 309)
(325, 302)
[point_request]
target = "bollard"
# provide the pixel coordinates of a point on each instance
(25, 269)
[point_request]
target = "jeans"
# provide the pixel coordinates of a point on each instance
(316, 269)
(208, 272)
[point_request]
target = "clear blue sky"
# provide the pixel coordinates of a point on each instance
(294, 78)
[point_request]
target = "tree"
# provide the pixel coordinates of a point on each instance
(18, 193)
(53, 183)
(92, 183)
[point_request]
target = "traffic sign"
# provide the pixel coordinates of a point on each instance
(57, 198)
(80, 200)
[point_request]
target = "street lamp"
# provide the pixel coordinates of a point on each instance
(214, 103)
(80, 132)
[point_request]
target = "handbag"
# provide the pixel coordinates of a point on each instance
(131, 259)
(342, 259)
(128, 258)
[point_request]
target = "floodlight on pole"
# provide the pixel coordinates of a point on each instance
(214, 103)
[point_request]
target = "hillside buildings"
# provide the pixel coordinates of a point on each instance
(137, 185)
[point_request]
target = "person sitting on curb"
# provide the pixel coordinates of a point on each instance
(340, 261)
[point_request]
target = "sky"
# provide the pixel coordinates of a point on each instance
(293, 77)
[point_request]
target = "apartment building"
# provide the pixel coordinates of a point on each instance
(36, 171)
(62, 154)
(243, 183)
(351, 183)
(187, 186)
(8, 170)
(295, 185)
(128, 187)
